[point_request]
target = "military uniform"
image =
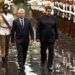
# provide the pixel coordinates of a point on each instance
(5, 33)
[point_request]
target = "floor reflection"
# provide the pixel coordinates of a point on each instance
(64, 61)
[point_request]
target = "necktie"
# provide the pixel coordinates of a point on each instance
(22, 22)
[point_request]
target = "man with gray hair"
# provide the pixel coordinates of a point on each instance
(21, 28)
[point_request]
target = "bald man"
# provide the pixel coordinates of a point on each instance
(21, 28)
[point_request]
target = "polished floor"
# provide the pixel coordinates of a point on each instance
(64, 59)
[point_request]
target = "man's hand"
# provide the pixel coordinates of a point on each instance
(31, 41)
(12, 44)
(37, 40)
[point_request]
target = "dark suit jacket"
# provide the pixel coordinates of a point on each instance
(21, 34)
(47, 28)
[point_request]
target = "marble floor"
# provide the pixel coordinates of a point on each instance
(63, 64)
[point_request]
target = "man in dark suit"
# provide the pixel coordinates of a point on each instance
(20, 32)
(46, 34)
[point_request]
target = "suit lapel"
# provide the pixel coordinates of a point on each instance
(19, 24)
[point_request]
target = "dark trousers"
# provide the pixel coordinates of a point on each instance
(46, 45)
(22, 53)
(7, 45)
(4, 45)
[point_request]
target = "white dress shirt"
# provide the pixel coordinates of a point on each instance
(6, 31)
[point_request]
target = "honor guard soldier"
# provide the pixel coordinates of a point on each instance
(6, 20)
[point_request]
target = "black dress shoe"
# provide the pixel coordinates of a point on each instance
(4, 62)
(21, 68)
(21, 72)
(50, 69)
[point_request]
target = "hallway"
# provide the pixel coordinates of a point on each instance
(64, 59)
